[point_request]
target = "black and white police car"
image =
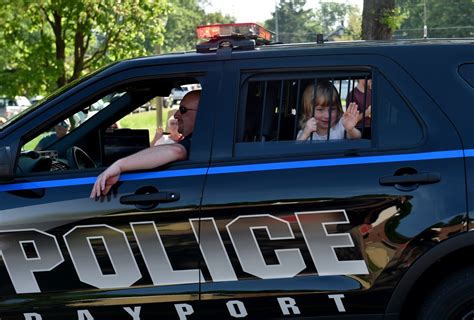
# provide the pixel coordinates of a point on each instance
(261, 225)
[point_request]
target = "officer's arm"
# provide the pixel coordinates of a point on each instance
(152, 157)
(145, 159)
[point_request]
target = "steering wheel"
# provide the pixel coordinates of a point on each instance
(79, 159)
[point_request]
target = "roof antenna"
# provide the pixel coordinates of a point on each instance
(319, 38)
(425, 27)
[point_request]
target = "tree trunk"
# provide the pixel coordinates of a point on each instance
(79, 54)
(60, 49)
(374, 17)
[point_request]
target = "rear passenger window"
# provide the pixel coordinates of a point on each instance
(321, 111)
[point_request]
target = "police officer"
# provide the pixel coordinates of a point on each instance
(154, 156)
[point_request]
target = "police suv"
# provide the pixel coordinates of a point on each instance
(254, 224)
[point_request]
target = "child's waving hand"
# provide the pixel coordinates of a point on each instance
(349, 121)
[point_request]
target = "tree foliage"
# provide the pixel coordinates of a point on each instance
(444, 18)
(183, 18)
(297, 24)
(331, 16)
(53, 42)
(354, 25)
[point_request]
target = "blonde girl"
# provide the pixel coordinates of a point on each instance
(323, 112)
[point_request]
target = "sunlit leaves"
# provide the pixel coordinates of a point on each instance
(444, 19)
(92, 33)
(183, 18)
(297, 23)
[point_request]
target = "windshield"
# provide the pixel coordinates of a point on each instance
(71, 123)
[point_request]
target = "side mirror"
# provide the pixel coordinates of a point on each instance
(6, 164)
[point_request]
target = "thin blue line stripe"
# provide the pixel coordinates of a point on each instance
(47, 184)
(337, 162)
(247, 168)
(91, 180)
(163, 174)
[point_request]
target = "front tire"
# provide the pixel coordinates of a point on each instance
(452, 299)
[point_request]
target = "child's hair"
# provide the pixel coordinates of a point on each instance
(326, 95)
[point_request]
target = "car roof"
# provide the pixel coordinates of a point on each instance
(348, 44)
(278, 50)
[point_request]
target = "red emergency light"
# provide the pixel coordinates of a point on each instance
(246, 30)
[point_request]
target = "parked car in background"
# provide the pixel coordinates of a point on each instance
(178, 93)
(12, 106)
(36, 99)
(143, 108)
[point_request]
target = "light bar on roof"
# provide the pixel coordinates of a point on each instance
(247, 30)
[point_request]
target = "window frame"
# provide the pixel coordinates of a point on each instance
(71, 102)
(346, 147)
(293, 147)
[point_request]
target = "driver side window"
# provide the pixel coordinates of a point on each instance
(116, 124)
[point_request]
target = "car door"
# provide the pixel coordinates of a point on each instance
(67, 256)
(309, 228)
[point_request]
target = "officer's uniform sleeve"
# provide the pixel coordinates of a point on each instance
(186, 143)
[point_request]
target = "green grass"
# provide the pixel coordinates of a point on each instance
(32, 144)
(142, 120)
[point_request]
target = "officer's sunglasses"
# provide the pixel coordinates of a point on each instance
(183, 109)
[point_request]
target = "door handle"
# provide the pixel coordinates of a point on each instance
(417, 178)
(156, 197)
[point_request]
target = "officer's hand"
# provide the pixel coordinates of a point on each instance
(106, 180)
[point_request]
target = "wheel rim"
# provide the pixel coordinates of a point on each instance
(466, 313)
